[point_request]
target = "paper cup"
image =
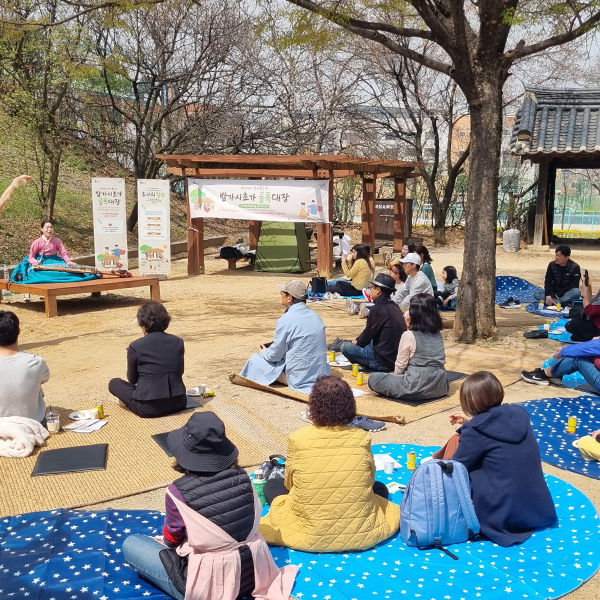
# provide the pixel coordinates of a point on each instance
(53, 426)
(388, 467)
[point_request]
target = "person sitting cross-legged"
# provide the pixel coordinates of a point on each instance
(583, 357)
(329, 500)
(21, 374)
(298, 353)
(154, 386)
(376, 347)
(416, 282)
(419, 373)
(561, 284)
(210, 547)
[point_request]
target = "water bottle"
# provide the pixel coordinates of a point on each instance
(258, 482)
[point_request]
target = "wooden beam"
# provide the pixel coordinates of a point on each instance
(195, 240)
(325, 241)
(540, 207)
(368, 210)
(399, 213)
(253, 234)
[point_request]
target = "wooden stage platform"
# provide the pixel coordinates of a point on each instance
(51, 291)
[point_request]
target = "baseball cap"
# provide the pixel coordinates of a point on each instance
(412, 257)
(294, 288)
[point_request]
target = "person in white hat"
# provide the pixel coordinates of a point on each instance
(298, 353)
(416, 282)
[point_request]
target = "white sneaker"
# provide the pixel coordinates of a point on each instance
(351, 307)
(363, 311)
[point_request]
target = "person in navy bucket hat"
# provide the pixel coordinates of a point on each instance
(202, 445)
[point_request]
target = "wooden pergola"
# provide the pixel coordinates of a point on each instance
(297, 167)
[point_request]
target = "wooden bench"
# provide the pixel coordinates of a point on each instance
(51, 291)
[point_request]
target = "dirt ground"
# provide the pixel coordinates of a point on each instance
(224, 315)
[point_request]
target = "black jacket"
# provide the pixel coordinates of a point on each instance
(155, 364)
(510, 495)
(559, 280)
(385, 326)
(227, 500)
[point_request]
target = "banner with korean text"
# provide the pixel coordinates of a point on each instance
(260, 200)
(154, 226)
(110, 223)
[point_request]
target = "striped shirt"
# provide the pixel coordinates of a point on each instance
(174, 526)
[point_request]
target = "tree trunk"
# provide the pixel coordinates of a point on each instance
(439, 224)
(475, 316)
(53, 175)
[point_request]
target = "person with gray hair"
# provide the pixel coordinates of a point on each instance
(298, 353)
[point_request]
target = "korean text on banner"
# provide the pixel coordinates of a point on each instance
(110, 223)
(154, 226)
(265, 200)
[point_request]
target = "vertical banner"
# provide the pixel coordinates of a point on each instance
(110, 223)
(154, 226)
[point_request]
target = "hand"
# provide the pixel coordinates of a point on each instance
(447, 301)
(556, 355)
(37, 263)
(262, 347)
(458, 418)
(160, 539)
(72, 264)
(21, 180)
(595, 433)
(407, 320)
(354, 342)
(549, 301)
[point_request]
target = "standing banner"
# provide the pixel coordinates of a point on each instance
(110, 223)
(264, 200)
(154, 226)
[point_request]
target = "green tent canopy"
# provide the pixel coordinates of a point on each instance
(282, 248)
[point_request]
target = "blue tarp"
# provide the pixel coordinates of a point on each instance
(549, 421)
(515, 287)
(76, 555)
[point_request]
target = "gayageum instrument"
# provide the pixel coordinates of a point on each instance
(82, 269)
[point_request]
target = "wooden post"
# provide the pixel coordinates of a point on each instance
(399, 213)
(253, 234)
(540, 207)
(195, 240)
(368, 210)
(325, 240)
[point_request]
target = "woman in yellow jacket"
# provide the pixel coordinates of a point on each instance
(358, 268)
(589, 446)
(329, 500)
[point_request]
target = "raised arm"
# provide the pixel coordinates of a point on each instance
(16, 182)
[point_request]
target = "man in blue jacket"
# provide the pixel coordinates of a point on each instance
(567, 360)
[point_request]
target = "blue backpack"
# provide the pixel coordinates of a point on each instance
(437, 509)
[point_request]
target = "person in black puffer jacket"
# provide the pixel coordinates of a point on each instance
(216, 488)
(561, 284)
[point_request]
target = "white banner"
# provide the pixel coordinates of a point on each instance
(110, 223)
(264, 200)
(154, 226)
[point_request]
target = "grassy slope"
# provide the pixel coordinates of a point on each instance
(19, 223)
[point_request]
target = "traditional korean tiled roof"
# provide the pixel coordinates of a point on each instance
(560, 122)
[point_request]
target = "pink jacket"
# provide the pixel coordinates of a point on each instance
(214, 561)
(41, 247)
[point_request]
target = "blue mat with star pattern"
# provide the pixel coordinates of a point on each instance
(76, 555)
(514, 287)
(549, 422)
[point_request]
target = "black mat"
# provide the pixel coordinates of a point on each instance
(192, 403)
(455, 376)
(71, 460)
(161, 440)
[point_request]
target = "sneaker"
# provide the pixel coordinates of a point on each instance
(363, 311)
(556, 381)
(305, 415)
(336, 345)
(511, 303)
(538, 377)
(367, 294)
(351, 307)
(367, 424)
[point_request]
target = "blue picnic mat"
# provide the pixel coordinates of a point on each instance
(558, 332)
(571, 381)
(76, 555)
(514, 287)
(533, 308)
(549, 421)
(551, 563)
